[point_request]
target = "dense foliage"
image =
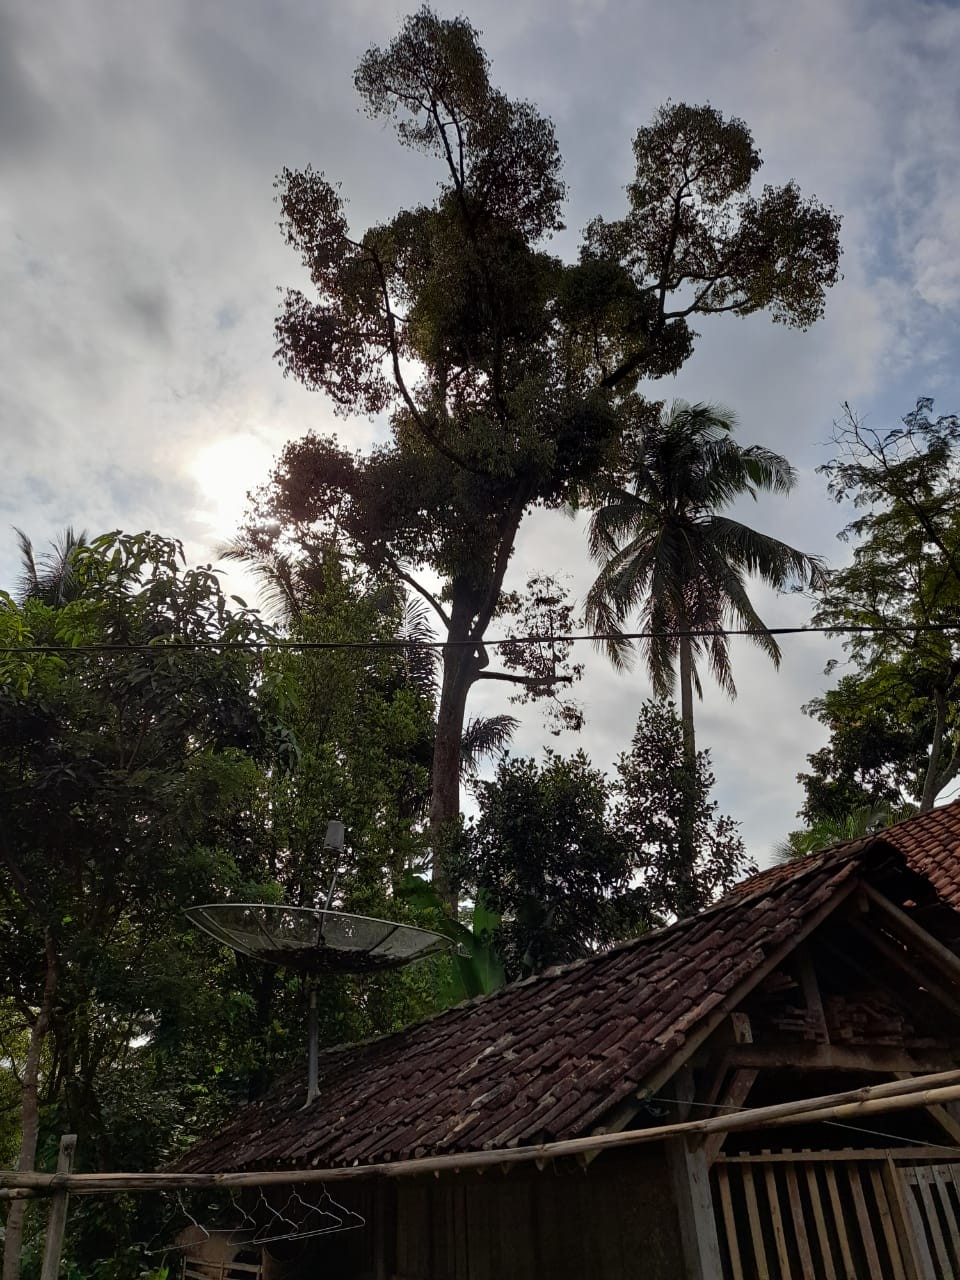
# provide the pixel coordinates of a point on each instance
(145, 774)
(509, 376)
(894, 719)
(573, 860)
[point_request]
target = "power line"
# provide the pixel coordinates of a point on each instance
(266, 646)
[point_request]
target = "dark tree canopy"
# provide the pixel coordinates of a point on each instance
(878, 752)
(548, 858)
(508, 375)
(654, 786)
(903, 582)
(573, 861)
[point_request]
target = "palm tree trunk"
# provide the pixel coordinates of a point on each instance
(686, 700)
(686, 896)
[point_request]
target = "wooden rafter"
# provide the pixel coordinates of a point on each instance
(901, 959)
(799, 1055)
(621, 1116)
(732, 1099)
(908, 930)
(810, 986)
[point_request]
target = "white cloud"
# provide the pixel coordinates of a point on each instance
(139, 259)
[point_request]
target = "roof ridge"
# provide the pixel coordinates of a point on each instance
(802, 868)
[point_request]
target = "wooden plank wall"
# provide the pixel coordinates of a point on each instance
(613, 1221)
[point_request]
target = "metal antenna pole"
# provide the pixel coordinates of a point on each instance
(334, 840)
(313, 1047)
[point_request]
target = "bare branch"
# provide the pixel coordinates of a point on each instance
(531, 682)
(421, 590)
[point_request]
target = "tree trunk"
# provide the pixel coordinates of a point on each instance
(686, 700)
(30, 1116)
(460, 668)
(686, 897)
(932, 782)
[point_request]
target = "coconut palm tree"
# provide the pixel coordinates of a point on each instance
(49, 577)
(827, 832)
(670, 555)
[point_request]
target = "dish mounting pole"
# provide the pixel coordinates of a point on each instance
(333, 840)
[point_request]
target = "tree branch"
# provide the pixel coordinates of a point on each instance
(531, 682)
(504, 551)
(430, 436)
(421, 590)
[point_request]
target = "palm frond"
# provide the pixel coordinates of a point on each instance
(28, 582)
(421, 665)
(50, 577)
(776, 563)
(484, 738)
(280, 591)
(665, 551)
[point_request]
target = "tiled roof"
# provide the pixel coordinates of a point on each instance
(543, 1059)
(929, 843)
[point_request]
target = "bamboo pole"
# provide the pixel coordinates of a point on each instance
(920, 1091)
(57, 1222)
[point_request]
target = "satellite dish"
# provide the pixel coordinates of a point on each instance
(316, 941)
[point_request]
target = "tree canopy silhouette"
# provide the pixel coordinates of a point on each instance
(508, 375)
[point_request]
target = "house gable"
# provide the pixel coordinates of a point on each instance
(869, 994)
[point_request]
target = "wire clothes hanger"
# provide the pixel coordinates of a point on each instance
(270, 1228)
(152, 1246)
(323, 1218)
(246, 1229)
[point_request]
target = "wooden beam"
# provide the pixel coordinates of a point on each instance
(945, 959)
(896, 1095)
(732, 1100)
(807, 976)
(690, 1179)
(740, 1032)
(57, 1221)
(801, 1055)
(621, 1115)
(683, 1091)
(897, 1200)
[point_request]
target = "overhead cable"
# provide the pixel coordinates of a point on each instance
(174, 644)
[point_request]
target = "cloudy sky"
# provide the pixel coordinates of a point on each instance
(140, 258)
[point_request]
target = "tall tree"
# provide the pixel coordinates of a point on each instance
(878, 753)
(572, 860)
(546, 855)
(299, 589)
(113, 765)
(507, 374)
(902, 585)
(652, 811)
(669, 554)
